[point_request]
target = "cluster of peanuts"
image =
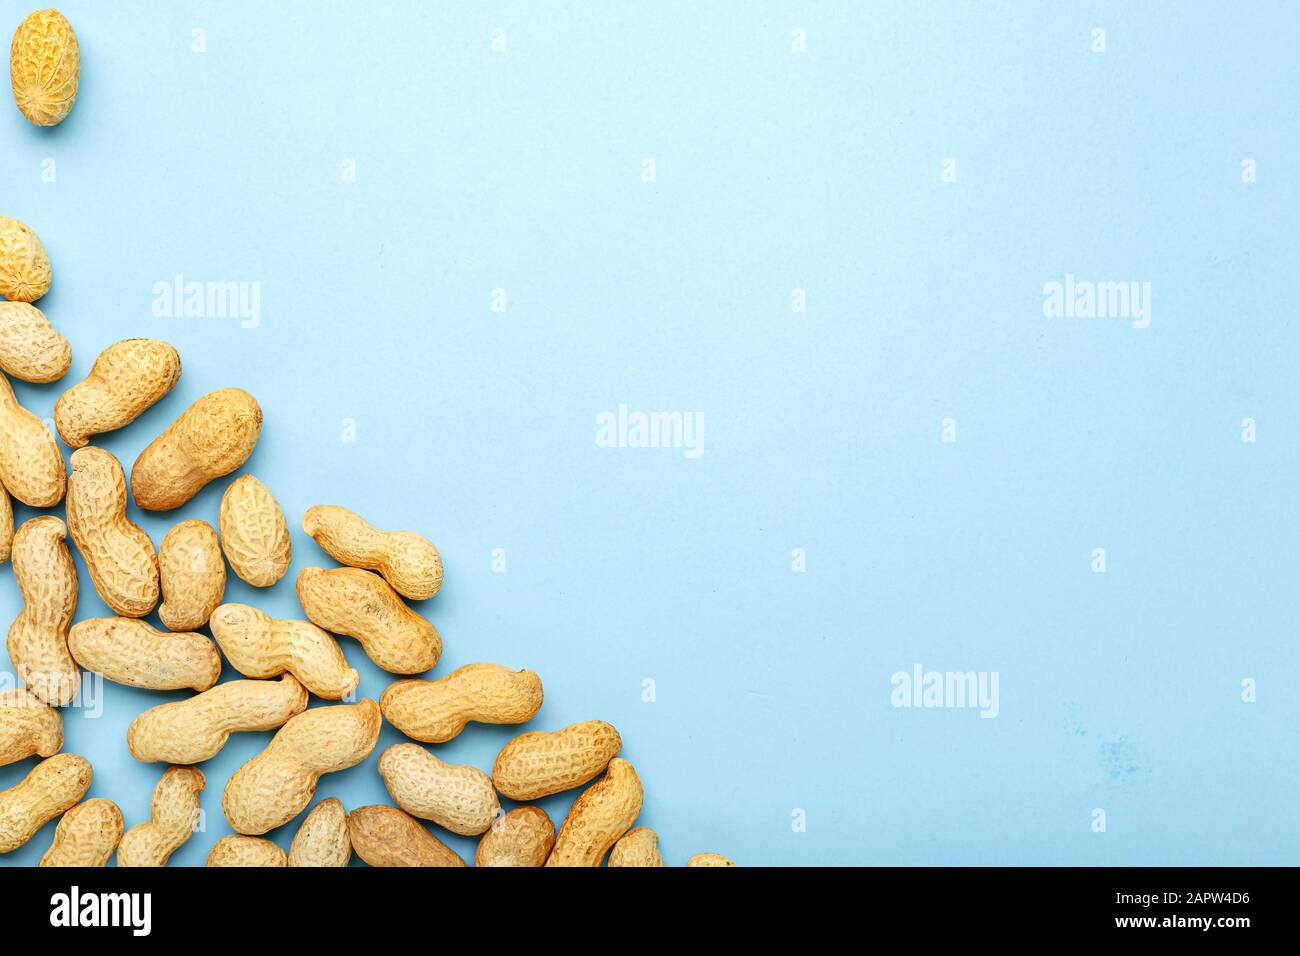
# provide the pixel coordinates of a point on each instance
(286, 661)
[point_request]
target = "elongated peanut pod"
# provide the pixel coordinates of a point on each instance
(600, 815)
(436, 711)
(246, 851)
(86, 836)
(638, 847)
(522, 837)
(322, 840)
(6, 525)
(173, 820)
(540, 763)
(38, 637)
(31, 465)
(127, 378)
(457, 797)
(261, 646)
(709, 859)
(30, 347)
(45, 67)
(410, 563)
(24, 266)
(385, 836)
(254, 533)
(132, 652)
(27, 726)
(192, 574)
(54, 785)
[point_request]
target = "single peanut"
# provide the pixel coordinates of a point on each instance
(31, 465)
(260, 646)
(436, 711)
(132, 652)
(192, 575)
(277, 784)
(211, 438)
(410, 563)
(254, 534)
(540, 763)
(38, 637)
(28, 726)
(6, 525)
(457, 797)
(173, 819)
(246, 851)
(600, 815)
(86, 836)
(30, 347)
(54, 785)
(322, 840)
(24, 266)
(385, 836)
(523, 837)
(45, 67)
(638, 847)
(360, 604)
(709, 859)
(127, 378)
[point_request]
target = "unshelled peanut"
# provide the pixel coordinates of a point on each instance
(38, 637)
(45, 67)
(457, 797)
(254, 533)
(599, 817)
(173, 819)
(638, 847)
(436, 711)
(31, 465)
(54, 785)
(522, 837)
(30, 347)
(127, 378)
(540, 763)
(28, 726)
(246, 851)
(385, 836)
(261, 646)
(709, 859)
(410, 563)
(6, 525)
(132, 652)
(322, 840)
(87, 835)
(192, 575)
(24, 266)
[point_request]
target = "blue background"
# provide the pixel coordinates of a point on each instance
(523, 171)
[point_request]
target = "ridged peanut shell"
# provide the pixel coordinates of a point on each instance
(173, 817)
(6, 525)
(436, 711)
(637, 847)
(24, 266)
(522, 837)
(192, 575)
(31, 465)
(28, 726)
(52, 786)
(709, 859)
(599, 817)
(541, 762)
(246, 851)
(385, 836)
(130, 651)
(45, 67)
(127, 378)
(30, 347)
(254, 533)
(322, 839)
(457, 797)
(258, 645)
(408, 562)
(38, 636)
(360, 604)
(86, 836)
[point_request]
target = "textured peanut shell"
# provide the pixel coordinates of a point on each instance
(410, 563)
(385, 836)
(436, 711)
(132, 652)
(54, 785)
(246, 851)
(28, 726)
(638, 847)
(173, 818)
(360, 604)
(457, 797)
(540, 763)
(127, 378)
(120, 557)
(30, 347)
(258, 645)
(277, 784)
(523, 837)
(24, 266)
(211, 438)
(192, 575)
(31, 465)
(600, 815)
(45, 67)
(709, 859)
(6, 525)
(86, 836)
(38, 637)
(254, 533)
(322, 840)
(193, 730)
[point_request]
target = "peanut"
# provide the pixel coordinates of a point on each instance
(436, 711)
(523, 837)
(638, 847)
(410, 563)
(6, 525)
(385, 836)
(132, 652)
(192, 575)
(597, 819)
(211, 438)
(45, 67)
(24, 266)
(254, 534)
(127, 378)
(54, 785)
(194, 730)
(120, 557)
(86, 836)
(361, 604)
(27, 726)
(38, 637)
(173, 818)
(31, 465)
(277, 784)
(246, 851)
(709, 859)
(457, 797)
(260, 646)
(322, 840)
(30, 347)
(540, 763)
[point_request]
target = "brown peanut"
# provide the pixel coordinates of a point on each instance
(600, 815)
(638, 847)
(322, 840)
(385, 836)
(192, 575)
(540, 763)
(54, 785)
(6, 525)
(45, 67)
(254, 533)
(408, 562)
(523, 837)
(27, 726)
(457, 797)
(173, 819)
(127, 378)
(132, 652)
(38, 637)
(709, 859)
(30, 347)
(24, 266)
(260, 646)
(436, 711)
(246, 851)
(31, 465)
(86, 836)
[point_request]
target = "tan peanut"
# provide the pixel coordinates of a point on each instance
(86, 836)
(277, 784)
(523, 837)
(127, 378)
(261, 646)
(322, 840)
(6, 525)
(120, 557)
(540, 763)
(54, 785)
(410, 563)
(211, 438)
(246, 851)
(132, 652)
(24, 266)
(38, 637)
(173, 819)
(457, 797)
(195, 729)
(31, 465)
(254, 534)
(709, 859)
(28, 726)
(638, 847)
(30, 347)
(385, 836)
(600, 815)
(45, 67)
(436, 711)
(192, 575)
(360, 604)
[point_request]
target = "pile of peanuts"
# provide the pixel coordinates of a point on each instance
(286, 661)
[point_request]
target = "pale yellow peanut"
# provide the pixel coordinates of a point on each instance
(127, 378)
(28, 726)
(195, 729)
(24, 266)
(45, 67)
(638, 847)
(436, 711)
(192, 575)
(410, 563)
(6, 525)
(277, 784)
(261, 646)
(322, 839)
(540, 763)
(246, 851)
(31, 465)
(254, 533)
(385, 836)
(522, 837)
(173, 819)
(709, 859)
(86, 836)
(54, 785)
(599, 817)
(38, 637)
(30, 347)
(119, 555)
(132, 652)
(361, 604)
(457, 797)
(211, 438)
